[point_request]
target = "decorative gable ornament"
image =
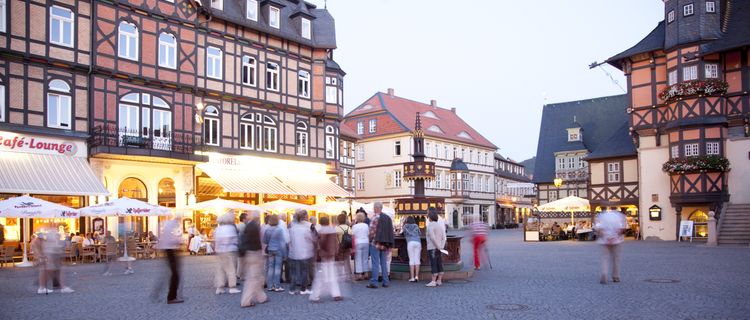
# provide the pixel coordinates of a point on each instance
(366, 107)
(431, 114)
(465, 134)
(435, 128)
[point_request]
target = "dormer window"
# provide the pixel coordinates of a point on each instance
(252, 10)
(217, 4)
(465, 134)
(274, 17)
(435, 128)
(431, 114)
(710, 6)
(306, 32)
(670, 16)
(574, 134)
(687, 10)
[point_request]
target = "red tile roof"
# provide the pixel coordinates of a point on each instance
(405, 111)
(345, 130)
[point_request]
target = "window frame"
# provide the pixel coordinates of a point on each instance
(360, 127)
(711, 70)
(360, 153)
(360, 181)
(302, 139)
(273, 79)
(60, 94)
(552, 195)
(670, 16)
(688, 10)
(437, 180)
(712, 147)
(672, 77)
(249, 71)
(332, 95)
(211, 59)
(211, 119)
(132, 38)
(217, 4)
(247, 129)
(303, 84)
(372, 125)
(613, 172)
(690, 73)
(710, 7)
(3, 18)
(560, 163)
(270, 138)
(691, 149)
(397, 148)
(167, 46)
(254, 4)
(2, 102)
(306, 28)
(330, 146)
(675, 152)
(274, 14)
(61, 20)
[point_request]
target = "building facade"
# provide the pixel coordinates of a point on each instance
(687, 100)
(514, 192)
(384, 124)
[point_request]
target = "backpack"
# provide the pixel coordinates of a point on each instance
(346, 240)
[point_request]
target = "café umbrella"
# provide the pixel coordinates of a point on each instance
(219, 204)
(568, 204)
(125, 207)
(30, 207)
(283, 205)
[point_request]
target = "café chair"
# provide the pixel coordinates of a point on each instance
(8, 256)
(70, 253)
(556, 233)
(110, 251)
(86, 252)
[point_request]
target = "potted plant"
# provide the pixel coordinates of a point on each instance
(696, 163)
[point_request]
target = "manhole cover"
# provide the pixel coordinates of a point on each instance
(662, 281)
(457, 281)
(508, 307)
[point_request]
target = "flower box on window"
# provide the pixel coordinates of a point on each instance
(696, 163)
(691, 87)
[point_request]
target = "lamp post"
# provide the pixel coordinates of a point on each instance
(558, 183)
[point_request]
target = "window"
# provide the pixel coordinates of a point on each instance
(675, 152)
(573, 135)
(670, 16)
(361, 127)
(211, 126)
(571, 164)
(58, 105)
(463, 154)
(272, 76)
(213, 62)
(471, 156)
(247, 131)
(486, 159)
(330, 140)
(712, 148)
(437, 180)
(673, 77)
(435, 128)
(252, 10)
(167, 51)
(471, 180)
(487, 184)
(581, 163)
(447, 154)
(274, 17)
(427, 149)
(302, 139)
(712, 71)
(573, 193)
(360, 153)
(552, 195)
(373, 125)
(162, 131)
(397, 148)
(428, 183)
(360, 181)
(437, 151)
(269, 134)
(3, 8)
(687, 10)
(306, 32)
(465, 181)
(613, 172)
(128, 41)
(217, 4)
(60, 25)
(560, 163)
(249, 71)
(710, 6)
(2, 101)
(331, 94)
(344, 149)
(691, 149)
(397, 178)
(304, 84)
(689, 73)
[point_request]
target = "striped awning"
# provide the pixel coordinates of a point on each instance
(254, 181)
(48, 174)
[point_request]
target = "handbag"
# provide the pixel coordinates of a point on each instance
(346, 240)
(269, 239)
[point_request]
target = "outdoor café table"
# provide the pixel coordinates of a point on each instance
(585, 233)
(99, 247)
(145, 245)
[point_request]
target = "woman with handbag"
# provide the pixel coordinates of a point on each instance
(435, 244)
(344, 234)
(413, 246)
(273, 238)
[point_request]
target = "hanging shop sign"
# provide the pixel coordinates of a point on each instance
(10, 141)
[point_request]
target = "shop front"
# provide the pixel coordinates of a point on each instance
(50, 168)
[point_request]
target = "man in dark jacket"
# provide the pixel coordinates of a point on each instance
(250, 247)
(381, 235)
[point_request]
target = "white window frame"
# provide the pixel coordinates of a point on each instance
(710, 6)
(571, 164)
(247, 131)
(303, 83)
(360, 153)
(397, 148)
(471, 156)
(689, 73)
(688, 10)
(691, 149)
(272, 76)
(249, 71)
(361, 181)
(127, 40)
(330, 150)
(573, 193)
(373, 125)
(2, 100)
(573, 135)
(216, 61)
(675, 152)
(673, 77)
(487, 185)
(168, 51)
(58, 20)
(447, 152)
(427, 149)
(486, 159)
(463, 154)
(254, 5)
(274, 17)
(3, 19)
(560, 163)
(217, 4)
(613, 172)
(670, 16)
(437, 180)
(712, 148)
(270, 135)
(552, 195)
(437, 152)
(397, 179)
(361, 127)
(471, 183)
(331, 94)
(63, 107)
(712, 71)
(211, 120)
(306, 29)
(302, 139)
(581, 163)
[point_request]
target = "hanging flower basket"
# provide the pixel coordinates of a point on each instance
(695, 163)
(691, 87)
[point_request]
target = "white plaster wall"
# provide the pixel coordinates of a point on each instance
(655, 181)
(597, 172)
(630, 170)
(739, 177)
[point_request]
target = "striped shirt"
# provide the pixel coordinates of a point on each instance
(479, 228)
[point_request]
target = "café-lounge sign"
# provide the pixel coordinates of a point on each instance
(10, 141)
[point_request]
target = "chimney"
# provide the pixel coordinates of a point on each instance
(453, 109)
(433, 103)
(390, 92)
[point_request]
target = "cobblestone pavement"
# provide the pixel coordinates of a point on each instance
(530, 280)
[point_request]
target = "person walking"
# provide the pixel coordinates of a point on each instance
(611, 226)
(345, 250)
(48, 249)
(327, 281)
(240, 230)
(170, 240)
(435, 243)
(300, 251)
(312, 266)
(250, 247)
(192, 233)
(275, 242)
(360, 233)
(413, 247)
(479, 231)
(226, 240)
(381, 235)
(112, 261)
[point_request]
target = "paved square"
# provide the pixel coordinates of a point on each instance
(530, 280)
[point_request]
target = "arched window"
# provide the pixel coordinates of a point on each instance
(137, 110)
(211, 126)
(247, 131)
(127, 41)
(133, 188)
(167, 51)
(330, 143)
(700, 224)
(269, 134)
(302, 139)
(167, 193)
(58, 105)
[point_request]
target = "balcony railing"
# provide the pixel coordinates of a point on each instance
(153, 139)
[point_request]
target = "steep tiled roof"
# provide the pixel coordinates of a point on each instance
(346, 131)
(405, 111)
(653, 41)
(333, 66)
(323, 26)
(618, 144)
(599, 118)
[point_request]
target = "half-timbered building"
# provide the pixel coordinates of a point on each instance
(514, 192)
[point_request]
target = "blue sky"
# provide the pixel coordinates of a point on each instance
(491, 60)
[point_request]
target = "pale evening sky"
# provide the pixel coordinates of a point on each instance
(491, 60)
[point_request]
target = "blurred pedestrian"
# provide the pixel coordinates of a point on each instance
(48, 250)
(250, 247)
(170, 240)
(300, 251)
(360, 233)
(240, 230)
(611, 226)
(275, 242)
(192, 232)
(479, 231)
(327, 281)
(345, 240)
(226, 240)
(381, 235)
(112, 260)
(435, 244)
(312, 266)
(285, 264)
(413, 247)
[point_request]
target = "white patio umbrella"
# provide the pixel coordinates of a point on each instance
(568, 204)
(283, 205)
(125, 207)
(369, 208)
(218, 205)
(30, 207)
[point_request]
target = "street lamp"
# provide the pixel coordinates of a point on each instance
(558, 183)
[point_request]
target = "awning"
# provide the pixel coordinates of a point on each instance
(48, 174)
(255, 181)
(503, 205)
